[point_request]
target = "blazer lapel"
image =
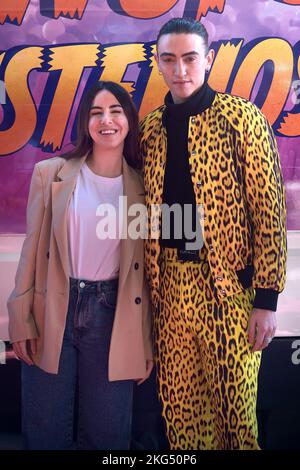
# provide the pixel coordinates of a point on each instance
(62, 191)
(61, 194)
(134, 193)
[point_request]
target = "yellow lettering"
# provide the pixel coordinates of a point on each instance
(117, 58)
(13, 10)
(280, 53)
(71, 60)
(155, 91)
(142, 9)
(223, 64)
(69, 8)
(290, 126)
(16, 82)
(206, 5)
(289, 2)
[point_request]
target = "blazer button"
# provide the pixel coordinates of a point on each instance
(136, 265)
(138, 300)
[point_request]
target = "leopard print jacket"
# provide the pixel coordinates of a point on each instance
(236, 175)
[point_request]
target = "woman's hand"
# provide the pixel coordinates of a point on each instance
(25, 349)
(149, 367)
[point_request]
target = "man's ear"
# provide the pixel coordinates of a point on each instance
(210, 58)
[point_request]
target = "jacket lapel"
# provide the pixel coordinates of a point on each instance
(134, 194)
(154, 171)
(62, 191)
(61, 194)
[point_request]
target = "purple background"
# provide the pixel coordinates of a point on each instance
(99, 24)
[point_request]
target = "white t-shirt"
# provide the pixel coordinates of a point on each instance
(94, 228)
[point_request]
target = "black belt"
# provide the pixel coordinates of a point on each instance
(188, 255)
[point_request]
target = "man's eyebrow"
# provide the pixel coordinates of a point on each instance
(163, 54)
(170, 54)
(190, 53)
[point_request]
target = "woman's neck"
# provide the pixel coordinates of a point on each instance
(105, 163)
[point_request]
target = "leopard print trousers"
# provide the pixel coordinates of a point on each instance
(207, 373)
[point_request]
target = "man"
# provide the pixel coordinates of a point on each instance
(215, 305)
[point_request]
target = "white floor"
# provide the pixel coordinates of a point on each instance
(289, 301)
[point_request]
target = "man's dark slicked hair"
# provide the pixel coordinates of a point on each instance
(184, 26)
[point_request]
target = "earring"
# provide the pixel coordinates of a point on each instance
(159, 72)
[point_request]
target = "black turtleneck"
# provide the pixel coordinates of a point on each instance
(178, 187)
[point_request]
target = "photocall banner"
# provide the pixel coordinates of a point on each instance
(51, 51)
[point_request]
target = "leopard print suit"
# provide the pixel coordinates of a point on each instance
(207, 373)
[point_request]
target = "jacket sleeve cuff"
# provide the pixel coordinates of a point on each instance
(21, 322)
(266, 299)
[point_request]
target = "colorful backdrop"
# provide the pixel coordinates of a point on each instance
(52, 50)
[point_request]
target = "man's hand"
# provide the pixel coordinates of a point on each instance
(149, 367)
(24, 350)
(262, 327)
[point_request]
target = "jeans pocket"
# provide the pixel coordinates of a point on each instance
(109, 298)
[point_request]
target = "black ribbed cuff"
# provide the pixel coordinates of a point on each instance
(266, 299)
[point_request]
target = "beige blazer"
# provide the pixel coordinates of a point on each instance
(39, 302)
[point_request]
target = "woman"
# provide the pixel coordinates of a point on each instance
(79, 313)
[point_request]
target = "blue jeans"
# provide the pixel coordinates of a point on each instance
(102, 409)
